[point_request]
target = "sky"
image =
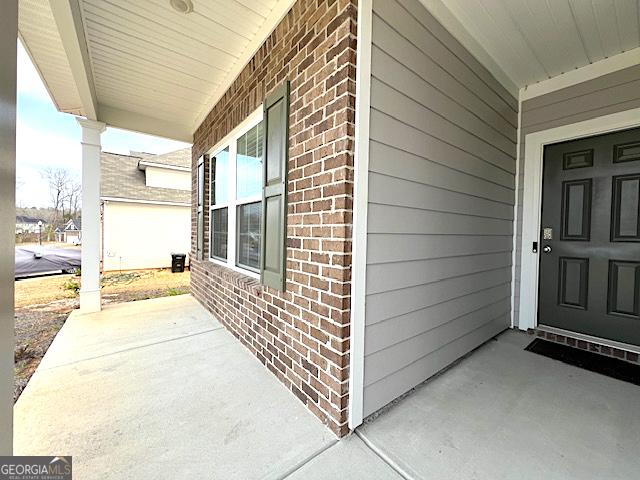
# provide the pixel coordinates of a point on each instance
(48, 138)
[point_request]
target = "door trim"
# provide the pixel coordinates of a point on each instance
(532, 197)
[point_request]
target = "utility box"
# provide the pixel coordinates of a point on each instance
(177, 262)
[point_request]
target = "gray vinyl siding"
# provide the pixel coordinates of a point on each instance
(441, 195)
(604, 95)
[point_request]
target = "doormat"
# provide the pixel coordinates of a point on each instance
(611, 367)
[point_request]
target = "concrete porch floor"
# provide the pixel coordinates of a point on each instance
(145, 390)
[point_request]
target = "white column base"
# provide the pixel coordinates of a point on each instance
(90, 301)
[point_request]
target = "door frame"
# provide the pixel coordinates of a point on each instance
(532, 198)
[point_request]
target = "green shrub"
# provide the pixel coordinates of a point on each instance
(73, 285)
(172, 292)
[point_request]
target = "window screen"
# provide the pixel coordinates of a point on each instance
(219, 233)
(249, 221)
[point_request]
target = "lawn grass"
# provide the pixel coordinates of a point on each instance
(125, 286)
(42, 290)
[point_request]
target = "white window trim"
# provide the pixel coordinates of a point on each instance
(231, 141)
(532, 197)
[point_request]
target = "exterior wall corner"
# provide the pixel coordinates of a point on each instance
(301, 335)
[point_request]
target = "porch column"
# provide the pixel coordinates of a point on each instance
(90, 289)
(8, 52)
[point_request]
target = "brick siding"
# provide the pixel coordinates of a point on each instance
(625, 355)
(301, 335)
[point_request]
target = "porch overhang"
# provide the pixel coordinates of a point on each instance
(115, 63)
(108, 62)
(532, 48)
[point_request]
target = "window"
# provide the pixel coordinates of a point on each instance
(219, 205)
(236, 199)
(249, 163)
(249, 190)
(219, 233)
(249, 221)
(200, 210)
(244, 192)
(220, 178)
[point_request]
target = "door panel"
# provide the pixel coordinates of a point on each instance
(576, 210)
(624, 285)
(625, 210)
(573, 283)
(590, 237)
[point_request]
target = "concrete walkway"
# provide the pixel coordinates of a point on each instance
(158, 389)
(506, 413)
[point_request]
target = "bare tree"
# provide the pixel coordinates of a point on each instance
(20, 184)
(58, 180)
(73, 194)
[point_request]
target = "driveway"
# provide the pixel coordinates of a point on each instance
(37, 260)
(159, 389)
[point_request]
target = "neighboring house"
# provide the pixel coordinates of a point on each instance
(361, 221)
(72, 232)
(146, 212)
(26, 224)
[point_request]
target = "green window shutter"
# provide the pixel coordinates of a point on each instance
(273, 256)
(200, 210)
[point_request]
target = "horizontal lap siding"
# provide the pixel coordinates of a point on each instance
(441, 195)
(611, 93)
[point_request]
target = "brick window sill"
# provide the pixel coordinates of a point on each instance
(237, 279)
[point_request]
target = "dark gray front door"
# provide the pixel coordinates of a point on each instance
(590, 238)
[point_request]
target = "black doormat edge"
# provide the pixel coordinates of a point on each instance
(611, 367)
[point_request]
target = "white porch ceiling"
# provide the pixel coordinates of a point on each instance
(142, 66)
(139, 64)
(40, 37)
(527, 41)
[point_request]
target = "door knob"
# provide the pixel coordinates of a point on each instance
(547, 249)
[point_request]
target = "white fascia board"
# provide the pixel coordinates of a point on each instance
(278, 12)
(588, 72)
(143, 164)
(146, 202)
(68, 18)
(449, 21)
(137, 122)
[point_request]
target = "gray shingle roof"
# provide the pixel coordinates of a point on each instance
(145, 155)
(27, 219)
(77, 222)
(121, 178)
(179, 158)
